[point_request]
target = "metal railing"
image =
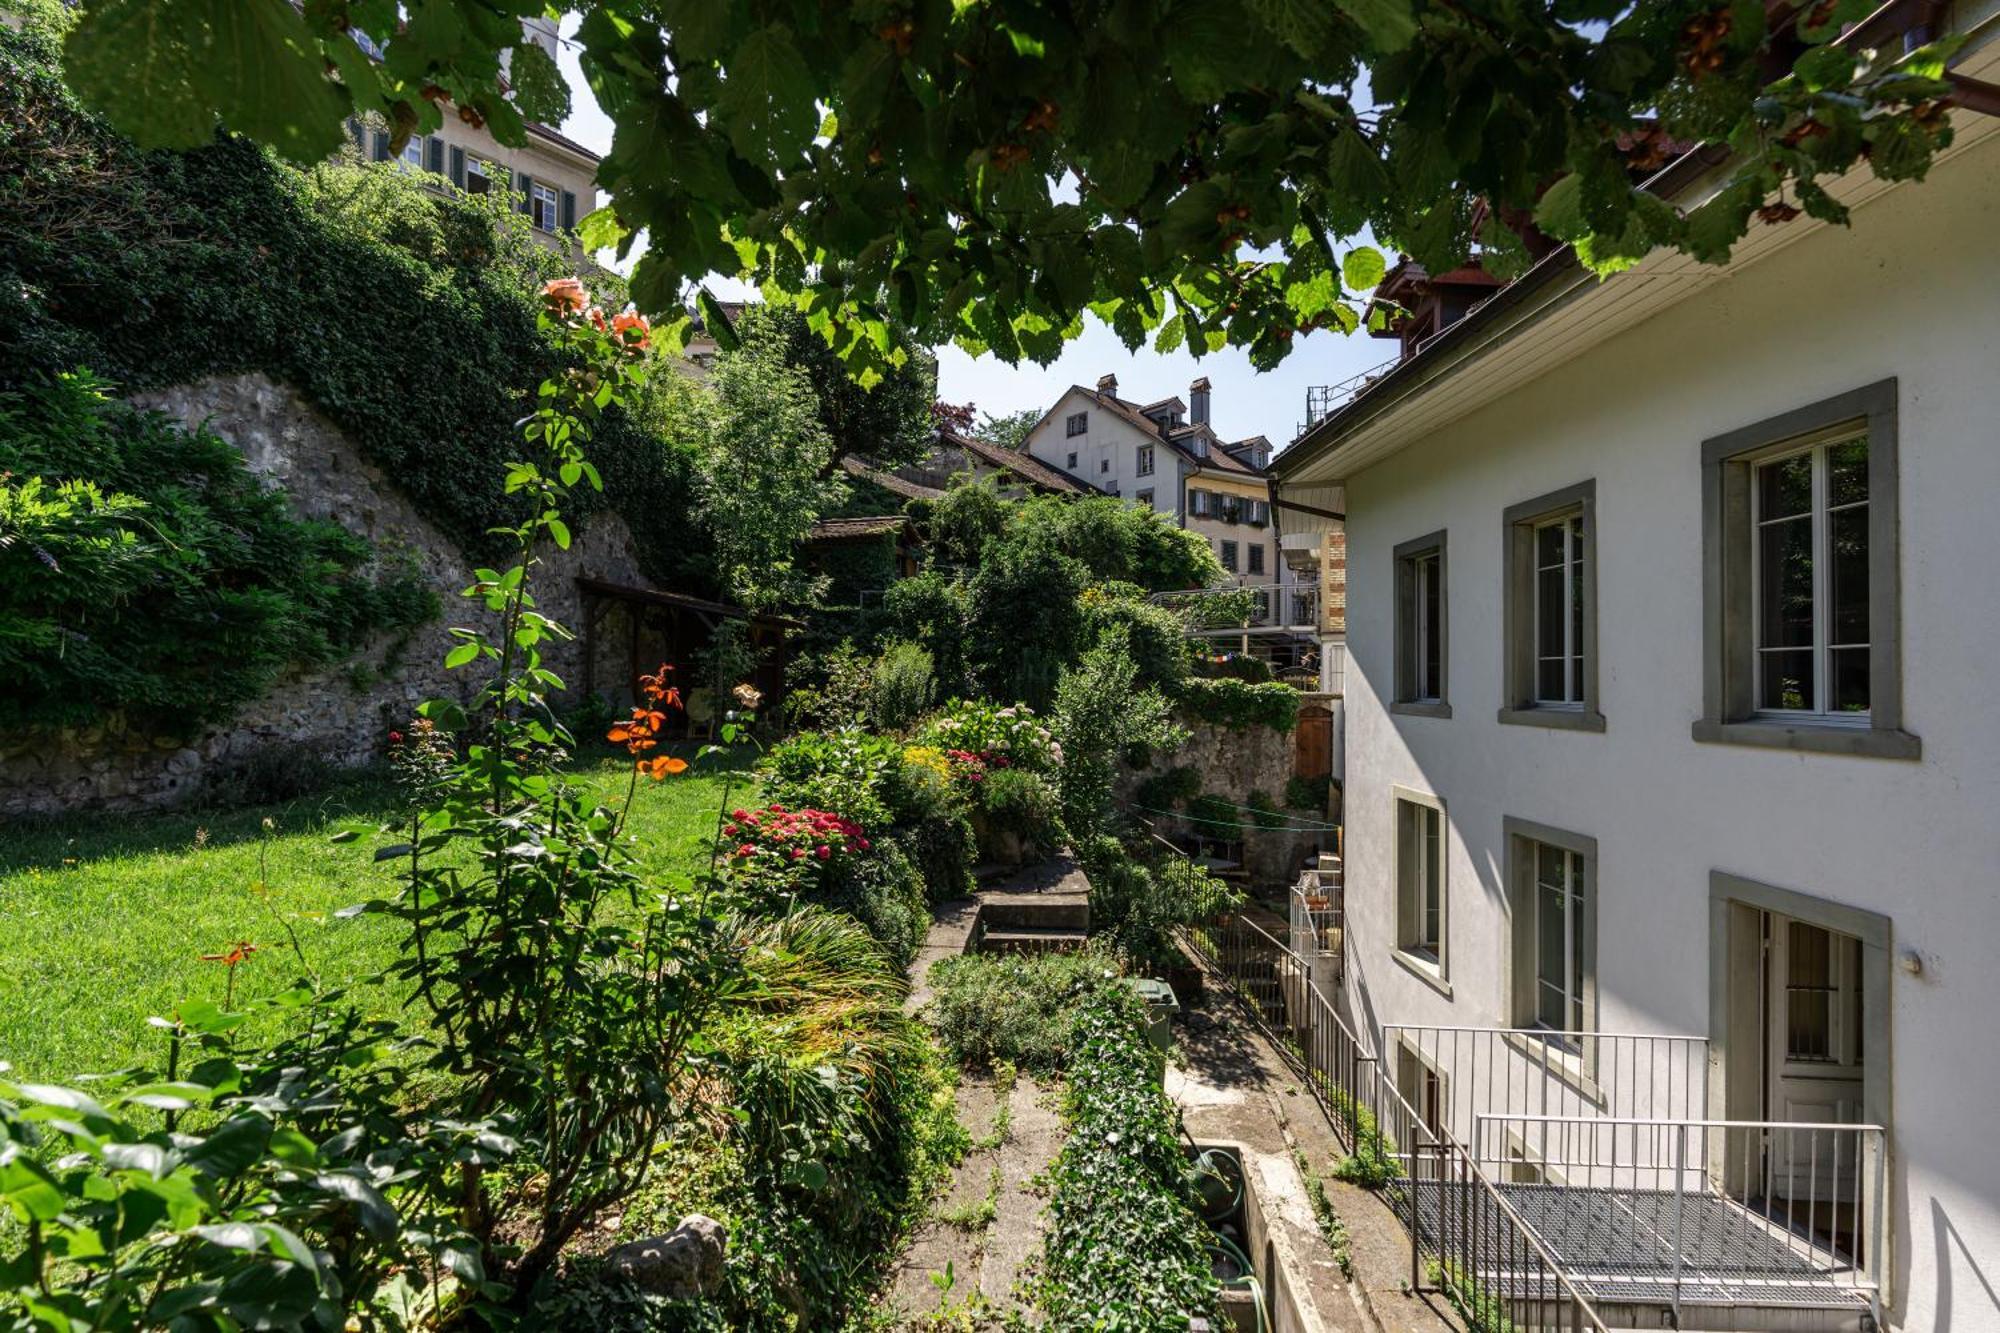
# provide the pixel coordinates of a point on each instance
(1471, 1076)
(1695, 1211)
(1318, 924)
(1323, 400)
(1467, 1241)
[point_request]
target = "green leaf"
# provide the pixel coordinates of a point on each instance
(1824, 67)
(559, 532)
(767, 99)
(1389, 24)
(460, 655)
(1362, 267)
(135, 61)
(263, 72)
(540, 92)
(1560, 211)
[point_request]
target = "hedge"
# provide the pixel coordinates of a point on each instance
(1238, 705)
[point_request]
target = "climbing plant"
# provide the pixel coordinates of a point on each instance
(1196, 171)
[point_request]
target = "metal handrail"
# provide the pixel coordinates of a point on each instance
(1486, 1257)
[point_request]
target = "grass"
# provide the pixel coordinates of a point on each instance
(107, 917)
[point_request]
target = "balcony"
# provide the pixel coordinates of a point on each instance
(1555, 1181)
(1323, 400)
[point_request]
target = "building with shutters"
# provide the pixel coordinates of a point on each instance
(553, 177)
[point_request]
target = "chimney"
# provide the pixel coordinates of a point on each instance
(1108, 384)
(1198, 401)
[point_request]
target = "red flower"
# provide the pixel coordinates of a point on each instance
(739, 814)
(798, 853)
(746, 850)
(395, 738)
(729, 830)
(823, 852)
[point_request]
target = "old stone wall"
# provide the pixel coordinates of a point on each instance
(340, 714)
(1232, 765)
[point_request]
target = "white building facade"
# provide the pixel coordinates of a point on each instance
(1672, 614)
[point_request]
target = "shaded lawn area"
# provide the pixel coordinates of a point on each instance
(103, 919)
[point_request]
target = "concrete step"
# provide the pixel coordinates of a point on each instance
(1033, 939)
(1051, 911)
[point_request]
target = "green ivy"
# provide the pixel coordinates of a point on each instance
(1125, 1248)
(404, 314)
(1238, 705)
(146, 574)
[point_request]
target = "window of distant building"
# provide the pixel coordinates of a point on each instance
(544, 206)
(1072, 461)
(1077, 423)
(1228, 552)
(1145, 498)
(1256, 554)
(1145, 461)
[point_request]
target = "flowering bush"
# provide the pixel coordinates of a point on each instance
(992, 734)
(790, 844)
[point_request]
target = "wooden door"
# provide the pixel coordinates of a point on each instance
(1312, 743)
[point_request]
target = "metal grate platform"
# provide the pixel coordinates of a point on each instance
(1617, 1246)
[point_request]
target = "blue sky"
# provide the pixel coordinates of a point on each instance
(1245, 402)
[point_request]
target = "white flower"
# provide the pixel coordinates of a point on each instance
(1005, 712)
(1055, 753)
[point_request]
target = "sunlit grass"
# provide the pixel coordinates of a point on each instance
(103, 920)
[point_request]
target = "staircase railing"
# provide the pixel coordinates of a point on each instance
(1466, 1241)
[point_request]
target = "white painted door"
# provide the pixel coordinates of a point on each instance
(1814, 1058)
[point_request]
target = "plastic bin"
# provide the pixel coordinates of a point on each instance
(1161, 1006)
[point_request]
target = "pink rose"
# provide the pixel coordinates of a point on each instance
(823, 852)
(746, 850)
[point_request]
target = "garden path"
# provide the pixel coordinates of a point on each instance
(965, 1264)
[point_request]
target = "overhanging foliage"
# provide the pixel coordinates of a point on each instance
(1194, 171)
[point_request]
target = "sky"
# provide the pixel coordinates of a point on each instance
(1243, 401)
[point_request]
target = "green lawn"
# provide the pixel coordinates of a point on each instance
(103, 920)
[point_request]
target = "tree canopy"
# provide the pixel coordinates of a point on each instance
(1200, 173)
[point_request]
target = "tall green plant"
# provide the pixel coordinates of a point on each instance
(1100, 716)
(563, 987)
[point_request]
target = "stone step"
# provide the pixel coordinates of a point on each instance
(1047, 911)
(1033, 939)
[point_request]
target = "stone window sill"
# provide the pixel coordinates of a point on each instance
(1425, 969)
(1421, 708)
(1560, 719)
(1867, 742)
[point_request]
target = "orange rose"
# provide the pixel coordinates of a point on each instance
(565, 296)
(631, 329)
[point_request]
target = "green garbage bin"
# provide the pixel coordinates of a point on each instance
(1161, 1006)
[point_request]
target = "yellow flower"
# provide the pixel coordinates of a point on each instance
(926, 756)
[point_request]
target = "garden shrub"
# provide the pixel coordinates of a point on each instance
(929, 814)
(1125, 1248)
(995, 734)
(1214, 817)
(987, 1008)
(147, 573)
(825, 1119)
(1101, 715)
(1137, 908)
(1307, 793)
(1024, 804)
(931, 610)
(842, 770)
(1238, 705)
(1264, 812)
(1164, 790)
(831, 689)
(904, 685)
(1026, 623)
(1233, 666)
(1155, 636)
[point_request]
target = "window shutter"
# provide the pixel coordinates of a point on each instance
(526, 185)
(457, 166)
(434, 154)
(568, 211)
(381, 146)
